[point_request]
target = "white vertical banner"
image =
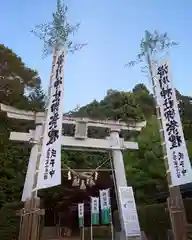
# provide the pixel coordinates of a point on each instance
(94, 210)
(50, 162)
(178, 159)
(94, 213)
(81, 214)
(129, 212)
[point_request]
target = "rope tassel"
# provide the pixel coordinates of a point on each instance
(69, 175)
(75, 182)
(91, 183)
(96, 176)
(83, 187)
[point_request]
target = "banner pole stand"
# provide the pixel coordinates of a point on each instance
(111, 218)
(112, 232)
(83, 233)
(111, 223)
(91, 231)
(81, 219)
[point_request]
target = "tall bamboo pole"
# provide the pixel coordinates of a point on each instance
(175, 202)
(151, 44)
(35, 200)
(55, 35)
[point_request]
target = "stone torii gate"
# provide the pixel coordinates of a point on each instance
(79, 142)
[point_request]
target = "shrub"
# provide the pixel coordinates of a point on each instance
(188, 209)
(9, 222)
(154, 221)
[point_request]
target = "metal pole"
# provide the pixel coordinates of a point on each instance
(91, 228)
(91, 220)
(111, 220)
(178, 220)
(111, 223)
(83, 234)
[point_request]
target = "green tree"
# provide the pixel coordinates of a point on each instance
(57, 33)
(36, 99)
(144, 99)
(151, 46)
(145, 168)
(16, 81)
(15, 78)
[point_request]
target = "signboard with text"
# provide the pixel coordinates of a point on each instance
(129, 212)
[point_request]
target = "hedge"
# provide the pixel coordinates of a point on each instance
(154, 219)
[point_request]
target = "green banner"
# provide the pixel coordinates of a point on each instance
(105, 216)
(81, 222)
(95, 218)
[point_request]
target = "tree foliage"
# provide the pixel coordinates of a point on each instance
(57, 33)
(20, 87)
(151, 45)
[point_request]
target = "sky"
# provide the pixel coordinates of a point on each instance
(113, 30)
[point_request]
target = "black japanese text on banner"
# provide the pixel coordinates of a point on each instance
(50, 162)
(178, 159)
